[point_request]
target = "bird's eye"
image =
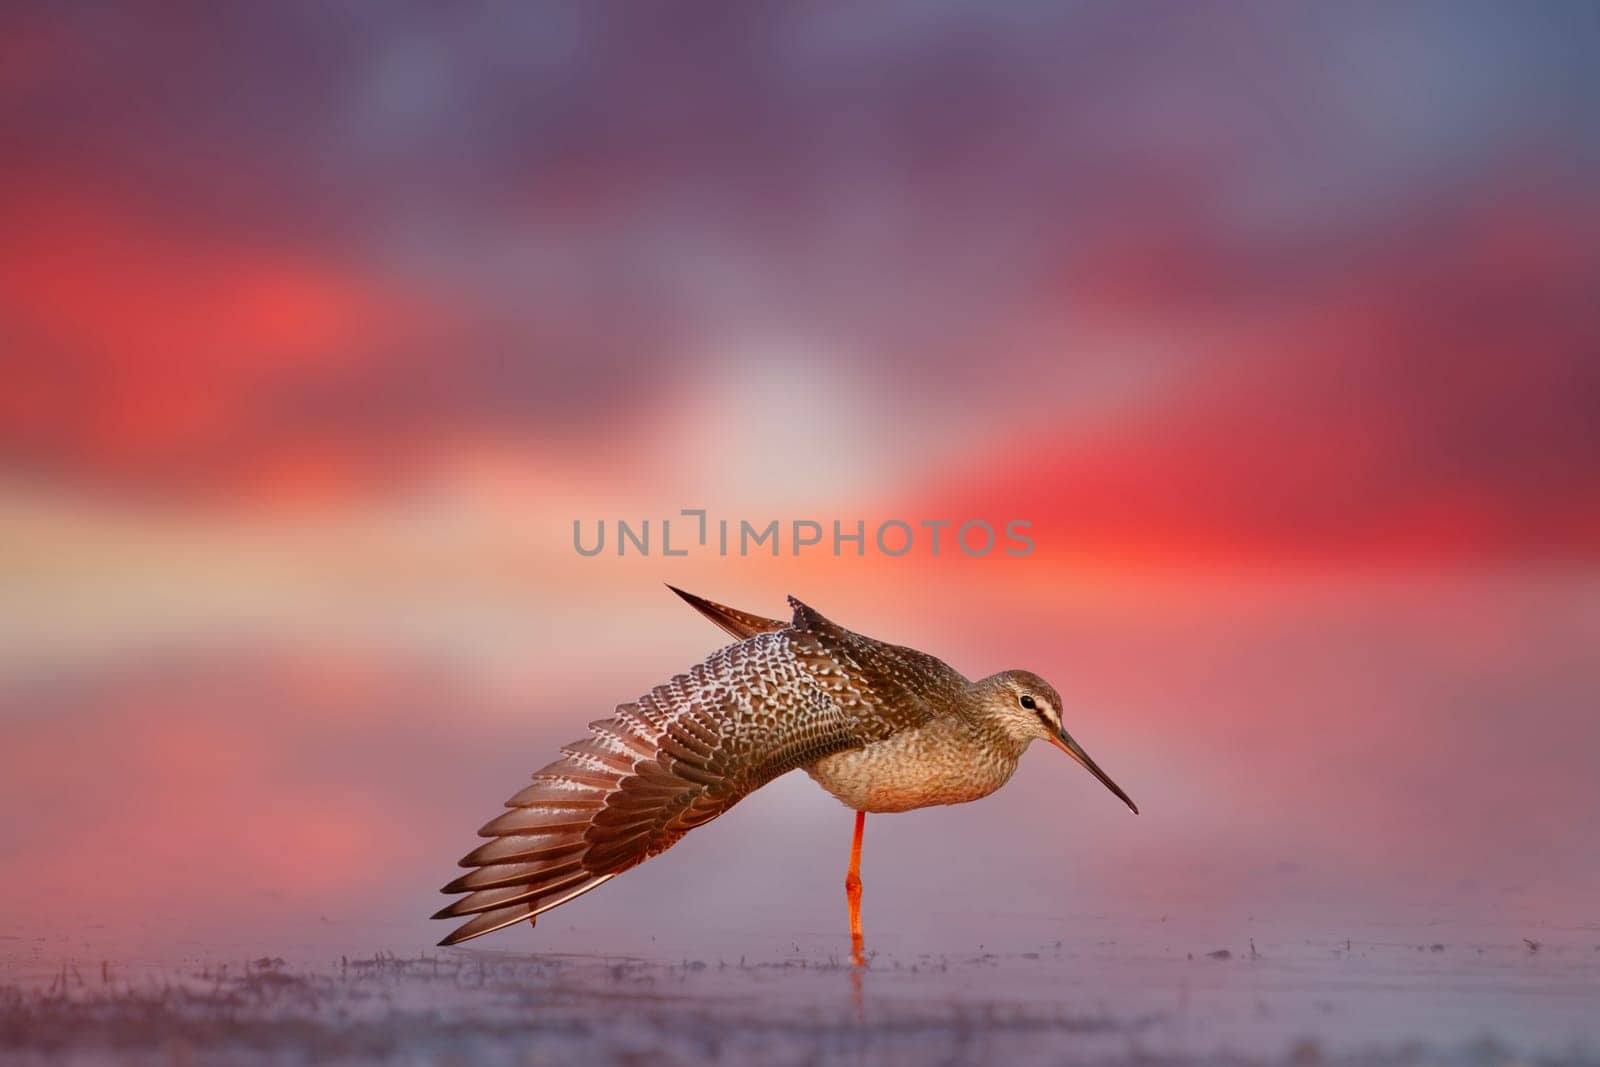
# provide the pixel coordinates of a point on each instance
(1028, 703)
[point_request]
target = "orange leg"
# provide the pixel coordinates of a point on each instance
(852, 892)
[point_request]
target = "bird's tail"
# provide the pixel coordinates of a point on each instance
(738, 623)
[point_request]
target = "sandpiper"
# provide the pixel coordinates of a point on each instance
(882, 727)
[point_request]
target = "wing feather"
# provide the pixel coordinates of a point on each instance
(675, 759)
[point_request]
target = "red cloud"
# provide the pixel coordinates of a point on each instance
(1433, 398)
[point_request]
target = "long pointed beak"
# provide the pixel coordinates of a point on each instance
(1075, 750)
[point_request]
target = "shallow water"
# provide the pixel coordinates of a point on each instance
(1131, 993)
(1329, 794)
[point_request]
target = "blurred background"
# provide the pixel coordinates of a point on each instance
(321, 324)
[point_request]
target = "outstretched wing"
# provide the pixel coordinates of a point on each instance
(675, 759)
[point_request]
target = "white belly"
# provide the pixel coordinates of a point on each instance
(914, 769)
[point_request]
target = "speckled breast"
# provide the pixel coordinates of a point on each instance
(945, 762)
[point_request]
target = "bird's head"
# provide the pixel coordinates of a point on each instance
(1028, 708)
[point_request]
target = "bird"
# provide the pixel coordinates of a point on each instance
(882, 727)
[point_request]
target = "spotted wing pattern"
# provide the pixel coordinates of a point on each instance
(672, 760)
(880, 688)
